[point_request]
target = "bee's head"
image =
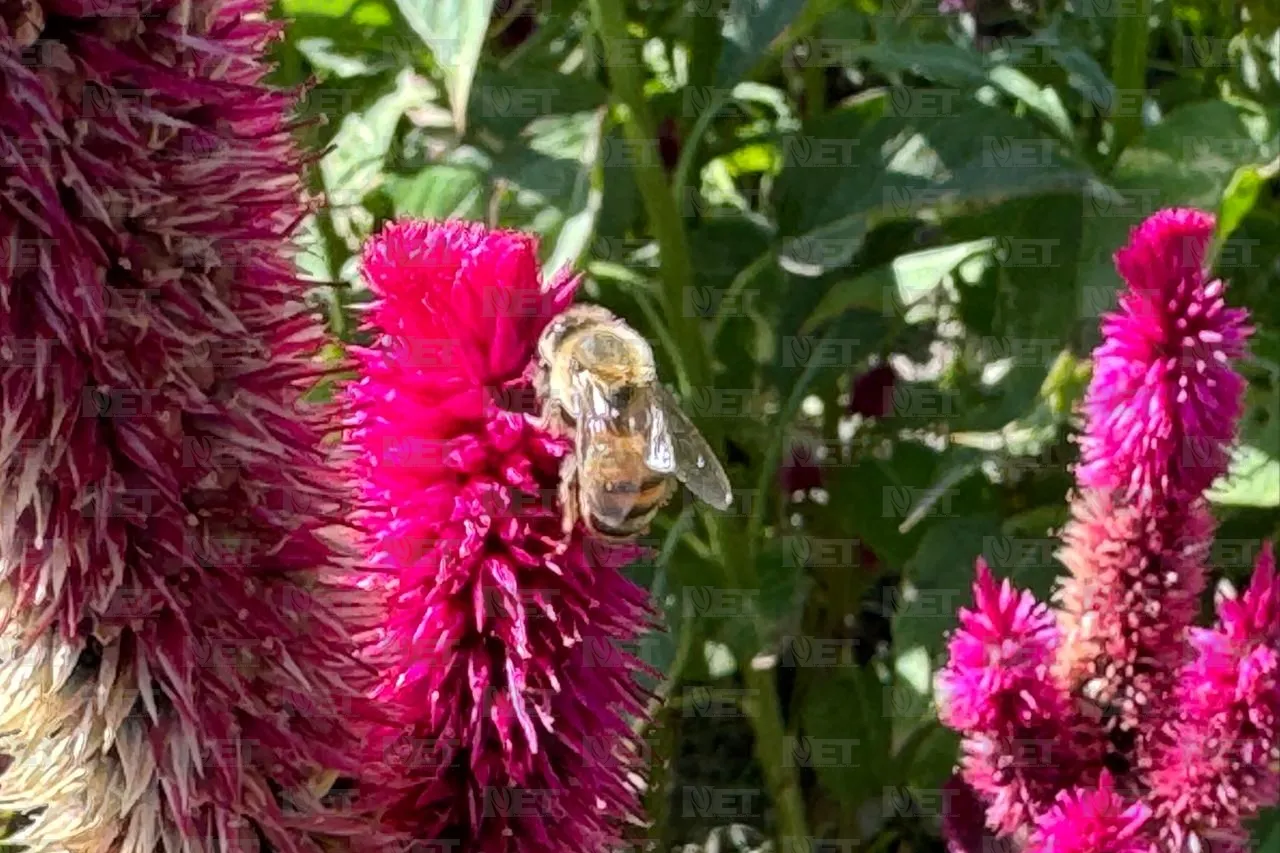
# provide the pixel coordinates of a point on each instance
(602, 343)
(565, 324)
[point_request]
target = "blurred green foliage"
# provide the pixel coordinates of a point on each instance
(782, 195)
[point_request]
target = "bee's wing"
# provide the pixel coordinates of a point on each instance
(595, 417)
(676, 447)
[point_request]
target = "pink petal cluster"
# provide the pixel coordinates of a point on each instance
(1155, 735)
(1092, 820)
(1222, 761)
(503, 653)
(178, 671)
(1164, 400)
(996, 688)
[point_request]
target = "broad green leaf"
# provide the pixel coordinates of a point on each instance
(1252, 480)
(750, 26)
(947, 64)
(848, 172)
(438, 192)
(454, 30)
(847, 738)
(1266, 832)
(938, 580)
(504, 103)
(1042, 100)
(353, 167)
(583, 207)
(553, 183)
(908, 278)
(1238, 201)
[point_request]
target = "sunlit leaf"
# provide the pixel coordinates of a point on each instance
(454, 30)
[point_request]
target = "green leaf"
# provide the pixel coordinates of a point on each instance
(847, 738)
(1042, 100)
(1238, 201)
(750, 26)
(583, 206)
(942, 63)
(849, 172)
(1266, 832)
(438, 192)
(908, 278)
(353, 167)
(555, 177)
(941, 574)
(1253, 480)
(454, 30)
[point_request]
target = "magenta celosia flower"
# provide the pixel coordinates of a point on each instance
(1221, 769)
(1092, 820)
(1163, 402)
(1182, 752)
(501, 652)
(1136, 574)
(998, 690)
(176, 675)
(998, 658)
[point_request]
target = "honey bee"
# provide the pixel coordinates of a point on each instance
(599, 386)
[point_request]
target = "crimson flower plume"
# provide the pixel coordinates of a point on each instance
(178, 670)
(503, 652)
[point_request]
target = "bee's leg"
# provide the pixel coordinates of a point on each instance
(542, 381)
(569, 492)
(552, 419)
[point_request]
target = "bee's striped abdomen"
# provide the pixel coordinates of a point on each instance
(625, 509)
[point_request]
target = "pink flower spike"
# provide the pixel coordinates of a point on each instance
(1255, 616)
(1096, 820)
(996, 690)
(504, 651)
(1163, 402)
(997, 672)
(1221, 769)
(180, 666)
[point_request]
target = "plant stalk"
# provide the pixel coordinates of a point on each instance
(674, 263)
(1129, 73)
(676, 269)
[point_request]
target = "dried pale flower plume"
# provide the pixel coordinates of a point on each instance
(1162, 734)
(176, 670)
(502, 653)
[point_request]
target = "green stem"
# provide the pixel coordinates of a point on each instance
(1129, 72)
(815, 90)
(675, 266)
(689, 148)
(676, 270)
(746, 276)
